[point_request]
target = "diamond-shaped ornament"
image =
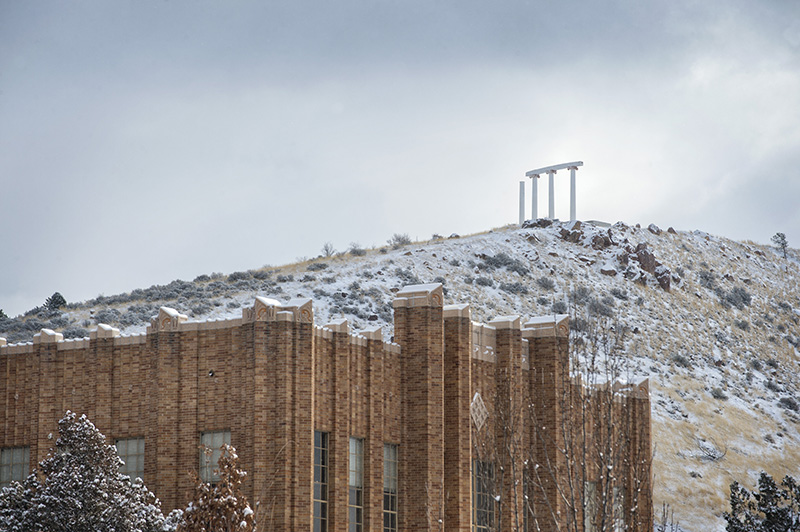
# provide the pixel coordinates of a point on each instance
(478, 410)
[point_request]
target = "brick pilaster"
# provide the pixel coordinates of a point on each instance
(419, 329)
(457, 422)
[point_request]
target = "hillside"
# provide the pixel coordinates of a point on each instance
(712, 322)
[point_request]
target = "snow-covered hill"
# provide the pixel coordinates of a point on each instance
(714, 325)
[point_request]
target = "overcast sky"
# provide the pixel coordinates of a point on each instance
(146, 141)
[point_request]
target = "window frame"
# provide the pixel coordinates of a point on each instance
(390, 486)
(209, 463)
(321, 484)
(355, 486)
(483, 501)
(133, 471)
(14, 464)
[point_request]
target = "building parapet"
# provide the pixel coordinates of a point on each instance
(419, 295)
(556, 325)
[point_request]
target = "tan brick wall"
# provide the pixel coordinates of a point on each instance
(272, 378)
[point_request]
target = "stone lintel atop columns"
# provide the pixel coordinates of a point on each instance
(506, 322)
(104, 331)
(47, 336)
(456, 311)
(420, 295)
(546, 326)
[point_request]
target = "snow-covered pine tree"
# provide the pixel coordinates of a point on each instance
(772, 508)
(79, 488)
(220, 507)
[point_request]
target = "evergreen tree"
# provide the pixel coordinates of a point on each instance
(79, 489)
(779, 239)
(220, 507)
(772, 508)
(55, 302)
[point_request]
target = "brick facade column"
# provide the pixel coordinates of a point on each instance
(50, 393)
(508, 422)
(339, 436)
(100, 358)
(375, 438)
(457, 421)
(419, 329)
(548, 381)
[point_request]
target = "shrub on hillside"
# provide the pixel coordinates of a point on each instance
(484, 281)
(789, 403)
(501, 260)
(622, 295)
(317, 266)
(399, 240)
(514, 288)
(356, 250)
(546, 283)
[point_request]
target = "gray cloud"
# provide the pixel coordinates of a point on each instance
(144, 142)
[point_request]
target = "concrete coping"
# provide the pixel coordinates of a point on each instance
(168, 319)
(47, 336)
(546, 326)
(284, 315)
(375, 333)
(104, 331)
(338, 325)
(357, 339)
(419, 295)
(456, 311)
(506, 322)
(268, 309)
(73, 343)
(3, 342)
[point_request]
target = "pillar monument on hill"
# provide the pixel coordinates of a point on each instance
(551, 171)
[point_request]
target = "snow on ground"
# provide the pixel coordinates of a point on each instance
(719, 346)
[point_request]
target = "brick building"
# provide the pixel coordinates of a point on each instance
(453, 426)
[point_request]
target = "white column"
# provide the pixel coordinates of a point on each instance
(572, 194)
(521, 202)
(552, 207)
(535, 197)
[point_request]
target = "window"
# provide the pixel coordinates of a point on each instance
(590, 506)
(482, 496)
(356, 493)
(389, 487)
(320, 481)
(13, 464)
(618, 509)
(209, 462)
(131, 451)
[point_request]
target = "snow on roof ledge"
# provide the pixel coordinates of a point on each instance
(546, 326)
(104, 331)
(339, 325)
(456, 311)
(505, 322)
(420, 295)
(168, 319)
(47, 336)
